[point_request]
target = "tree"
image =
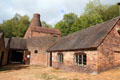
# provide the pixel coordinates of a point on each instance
(62, 26)
(44, 24)
(65, 25)
(86, 21)
(94, 13)
(107, 12)
(15, 27)
(111, 12)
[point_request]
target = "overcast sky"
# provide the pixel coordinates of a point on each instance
(51, 10)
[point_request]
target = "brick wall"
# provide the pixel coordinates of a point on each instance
(5, 59)
(40, 34)
(69, 64)
(1, 48)
(39, 58)
(109, 50)
(28, 33)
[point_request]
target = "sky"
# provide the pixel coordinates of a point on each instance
(51, 11)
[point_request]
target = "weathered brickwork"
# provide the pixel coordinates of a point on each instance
(36, 30)
(69, 65)
(2, 47)
(106, 56)
(28, 33)
(109, 50)
(39, 34)
(39, 58)
(5, 59)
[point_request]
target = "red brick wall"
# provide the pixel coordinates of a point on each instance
(40, 34)
(109, 50)
(69, 64)
(30, 34)
(5, 57)
(39, 58)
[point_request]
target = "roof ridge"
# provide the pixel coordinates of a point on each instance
(45, 27)
(94, 25)
(86, 38)
(47, 30)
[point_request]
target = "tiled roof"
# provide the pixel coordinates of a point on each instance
(43, 43)
(7, 41)
(18, 43)
(86, 38)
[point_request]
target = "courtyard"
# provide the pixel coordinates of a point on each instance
(24, 72)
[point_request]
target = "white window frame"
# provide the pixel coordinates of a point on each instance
(77, 59)
(60, 57)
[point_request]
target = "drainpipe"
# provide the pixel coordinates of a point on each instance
(119, 7)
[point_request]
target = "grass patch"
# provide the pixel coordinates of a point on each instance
(57, 71)
(46, 76)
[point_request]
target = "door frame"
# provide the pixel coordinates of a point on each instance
(2, 57)
(50, 59)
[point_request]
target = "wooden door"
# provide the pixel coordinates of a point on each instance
(2, 56)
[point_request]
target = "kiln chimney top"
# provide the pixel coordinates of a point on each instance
(36, 20)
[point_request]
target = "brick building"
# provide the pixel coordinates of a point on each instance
(17, 50)
(39, 39)
(94, 49)
(2, 47)
(6, 50)
(37, 30)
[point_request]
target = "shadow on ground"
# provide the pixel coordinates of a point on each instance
(13, 67)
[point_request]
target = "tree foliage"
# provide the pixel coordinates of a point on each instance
(15, 27)
(44, 24)
(65, 25)
(94, 13)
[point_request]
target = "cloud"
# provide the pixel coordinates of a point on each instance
(51, 10)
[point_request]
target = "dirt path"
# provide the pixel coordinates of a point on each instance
(21, 72)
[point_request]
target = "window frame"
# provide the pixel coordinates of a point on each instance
(55, 35)
(60, 57)
(80, 61)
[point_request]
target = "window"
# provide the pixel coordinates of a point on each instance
(60, 57)
(80, 59)
(36, 51)
(118, 31)
(55, 36)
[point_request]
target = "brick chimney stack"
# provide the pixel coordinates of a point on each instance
(119, 7)
(36, 20)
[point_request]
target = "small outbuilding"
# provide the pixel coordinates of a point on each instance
(17, 51)
(94, 49)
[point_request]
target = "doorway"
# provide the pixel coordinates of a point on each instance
(51, 59)
(17, 56)
(2, 56)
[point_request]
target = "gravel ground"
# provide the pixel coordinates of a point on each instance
(22, 72)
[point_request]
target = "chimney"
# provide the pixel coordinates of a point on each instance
(119, 7)
(36, 20)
